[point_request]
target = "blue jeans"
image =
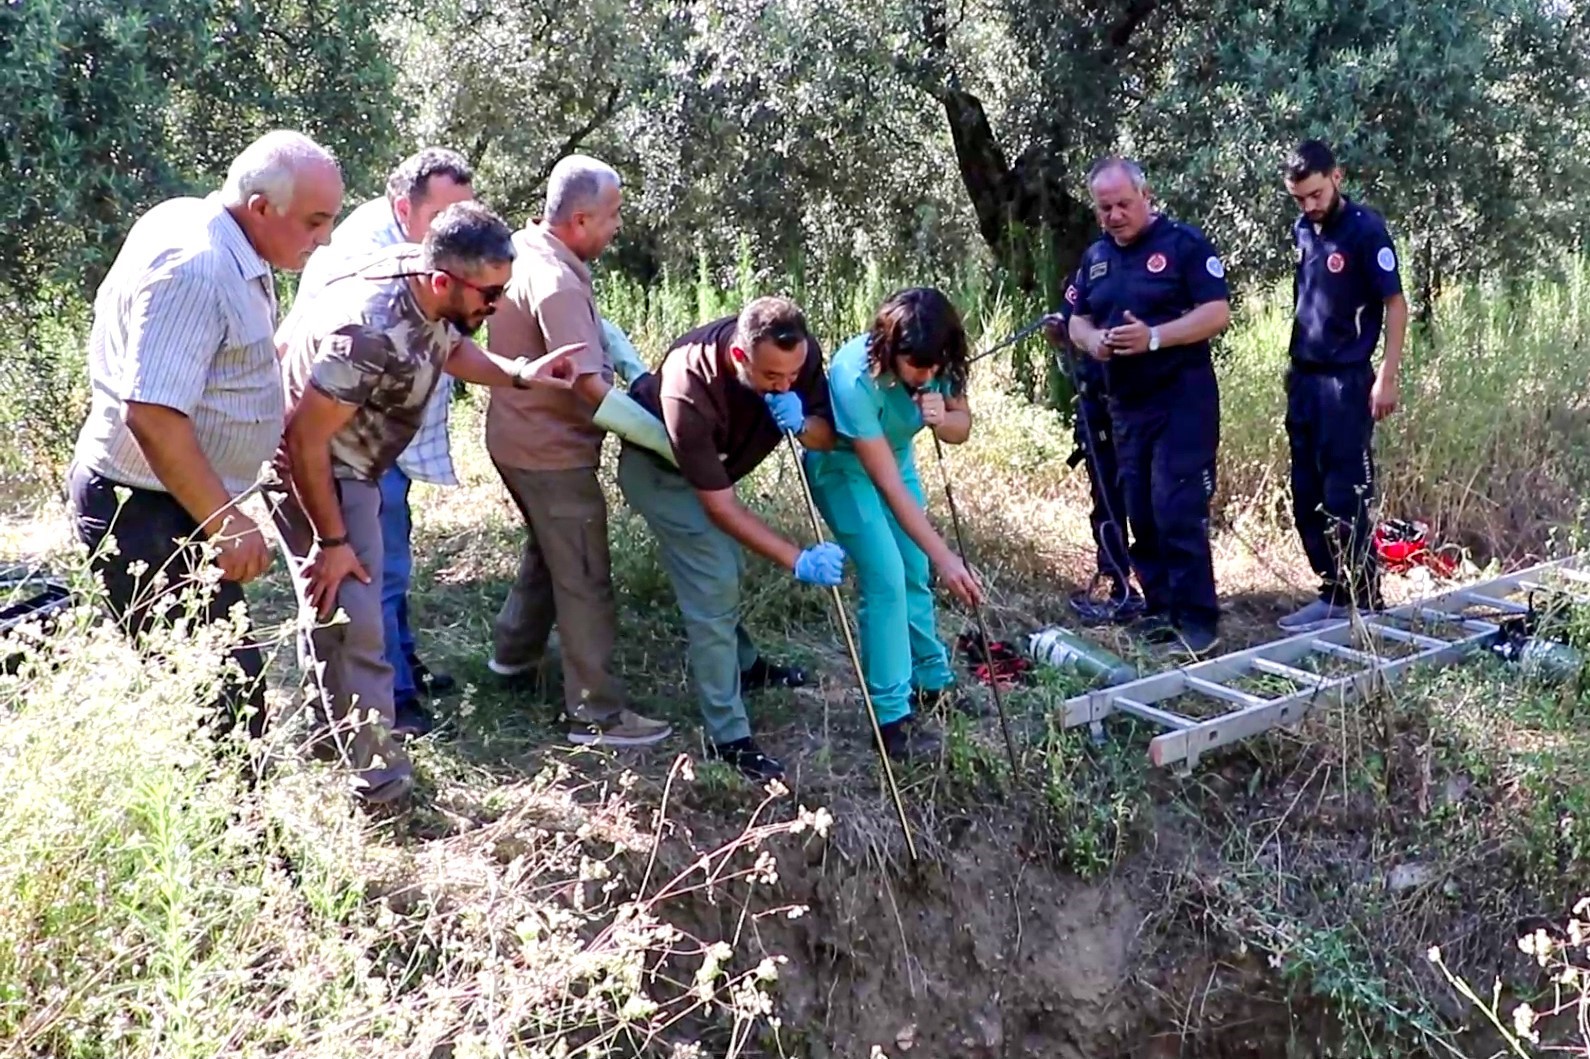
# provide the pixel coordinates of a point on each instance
(396, 569)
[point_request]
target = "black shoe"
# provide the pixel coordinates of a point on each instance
(428, 683)
(1155, 627)
(764, 674)
(745, 756)
(925, 702)
(910, 739)
(1195, 641)
(410, 720)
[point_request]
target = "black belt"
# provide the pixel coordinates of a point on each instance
(1328, 367)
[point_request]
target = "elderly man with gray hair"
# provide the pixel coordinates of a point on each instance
(547, 444)
(186, 401)
(361, 363)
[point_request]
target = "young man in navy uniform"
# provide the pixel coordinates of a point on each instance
(1095, 439)
(1346, 281)
(1151, 293)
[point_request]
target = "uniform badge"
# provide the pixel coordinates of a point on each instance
(1336, 262)
(1386, 260)
(1071, 295)
(1097, 269)
(1156, 263)
(1215, 267)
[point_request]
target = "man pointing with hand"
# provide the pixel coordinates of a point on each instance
(1150, 295)
(729, 393)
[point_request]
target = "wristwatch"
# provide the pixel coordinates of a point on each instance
(519, 382)
(330, 542)
(1153, 339)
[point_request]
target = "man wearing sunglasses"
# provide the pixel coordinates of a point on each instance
(360, 364)
(547, 445)
(422, 185)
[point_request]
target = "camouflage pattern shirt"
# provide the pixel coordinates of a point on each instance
(362, 340)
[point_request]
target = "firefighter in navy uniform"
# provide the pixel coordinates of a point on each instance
(1095, 439)
(1346, 281)
(1150, 295)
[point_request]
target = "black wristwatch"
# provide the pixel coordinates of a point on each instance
(330, 542)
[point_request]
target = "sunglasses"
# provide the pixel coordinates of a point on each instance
(490, 295)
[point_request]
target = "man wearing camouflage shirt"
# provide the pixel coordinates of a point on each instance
(360, 364)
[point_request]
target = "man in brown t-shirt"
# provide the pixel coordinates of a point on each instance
(359, 364)
(547, 444)
(728, 393)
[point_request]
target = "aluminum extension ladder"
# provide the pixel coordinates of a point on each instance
(1436, 631)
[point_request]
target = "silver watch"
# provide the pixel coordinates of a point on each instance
(1153, 339)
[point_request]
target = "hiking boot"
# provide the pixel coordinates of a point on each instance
(765, 674)
(925, 701)
(628, 729)
(910, 739)
(1314, 616)
(410, 720)
(1195, 641)
(747, 758)
(428, 683)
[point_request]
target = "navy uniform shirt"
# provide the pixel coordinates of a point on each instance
(1166, 272)
(1090, 373)
(1345, 273)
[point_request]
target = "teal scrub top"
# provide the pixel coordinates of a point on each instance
(865, 407)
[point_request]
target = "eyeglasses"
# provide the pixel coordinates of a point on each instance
(490, 295)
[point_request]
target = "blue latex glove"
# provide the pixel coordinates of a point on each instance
(787, 412)
(821, 564)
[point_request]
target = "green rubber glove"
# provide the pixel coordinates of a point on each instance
(620, 414)
(622, 352)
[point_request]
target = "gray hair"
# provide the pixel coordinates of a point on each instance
(270, 166)
(1133, 171)
(465, 237)
(576, 182)
(412, 177)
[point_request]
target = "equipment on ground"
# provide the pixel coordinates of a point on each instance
(1400, 545)
(1064, 649)
(28, 595)
(1280, 683)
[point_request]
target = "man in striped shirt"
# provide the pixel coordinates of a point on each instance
(422, 185)
(187, 401)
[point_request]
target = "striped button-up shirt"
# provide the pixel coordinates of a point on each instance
(184, 320)
(370, 228)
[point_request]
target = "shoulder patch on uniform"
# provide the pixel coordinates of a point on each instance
(1071, 294)
(1097, 269)
(1215, 268)
(1386, 259)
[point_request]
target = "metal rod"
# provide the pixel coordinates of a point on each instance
(855, 656)
(982, 625)
(1012, 340)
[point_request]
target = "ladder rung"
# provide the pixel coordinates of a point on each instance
(1163, 718)
(1536, 586)
(1296, 676)
(1438, 617)
(1506, 605)
(1574, 575)
(1220, 691)
(1348, 653)
(1391, 632)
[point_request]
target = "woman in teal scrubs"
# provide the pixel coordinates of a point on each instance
(907, 373)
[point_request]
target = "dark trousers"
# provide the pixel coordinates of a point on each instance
(1095, 437)
(1167, 449)
(156, 534)
(1330, 428)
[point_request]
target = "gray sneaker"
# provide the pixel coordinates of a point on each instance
(1316, 615)
(627, 729)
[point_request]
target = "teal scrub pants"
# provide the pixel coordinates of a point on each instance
(900, 647)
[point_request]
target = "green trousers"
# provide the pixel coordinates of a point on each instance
(900, 647)
(704, 565)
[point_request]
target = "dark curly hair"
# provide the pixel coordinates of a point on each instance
(921, 325)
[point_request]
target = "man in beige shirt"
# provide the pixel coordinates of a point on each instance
(546, 445)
